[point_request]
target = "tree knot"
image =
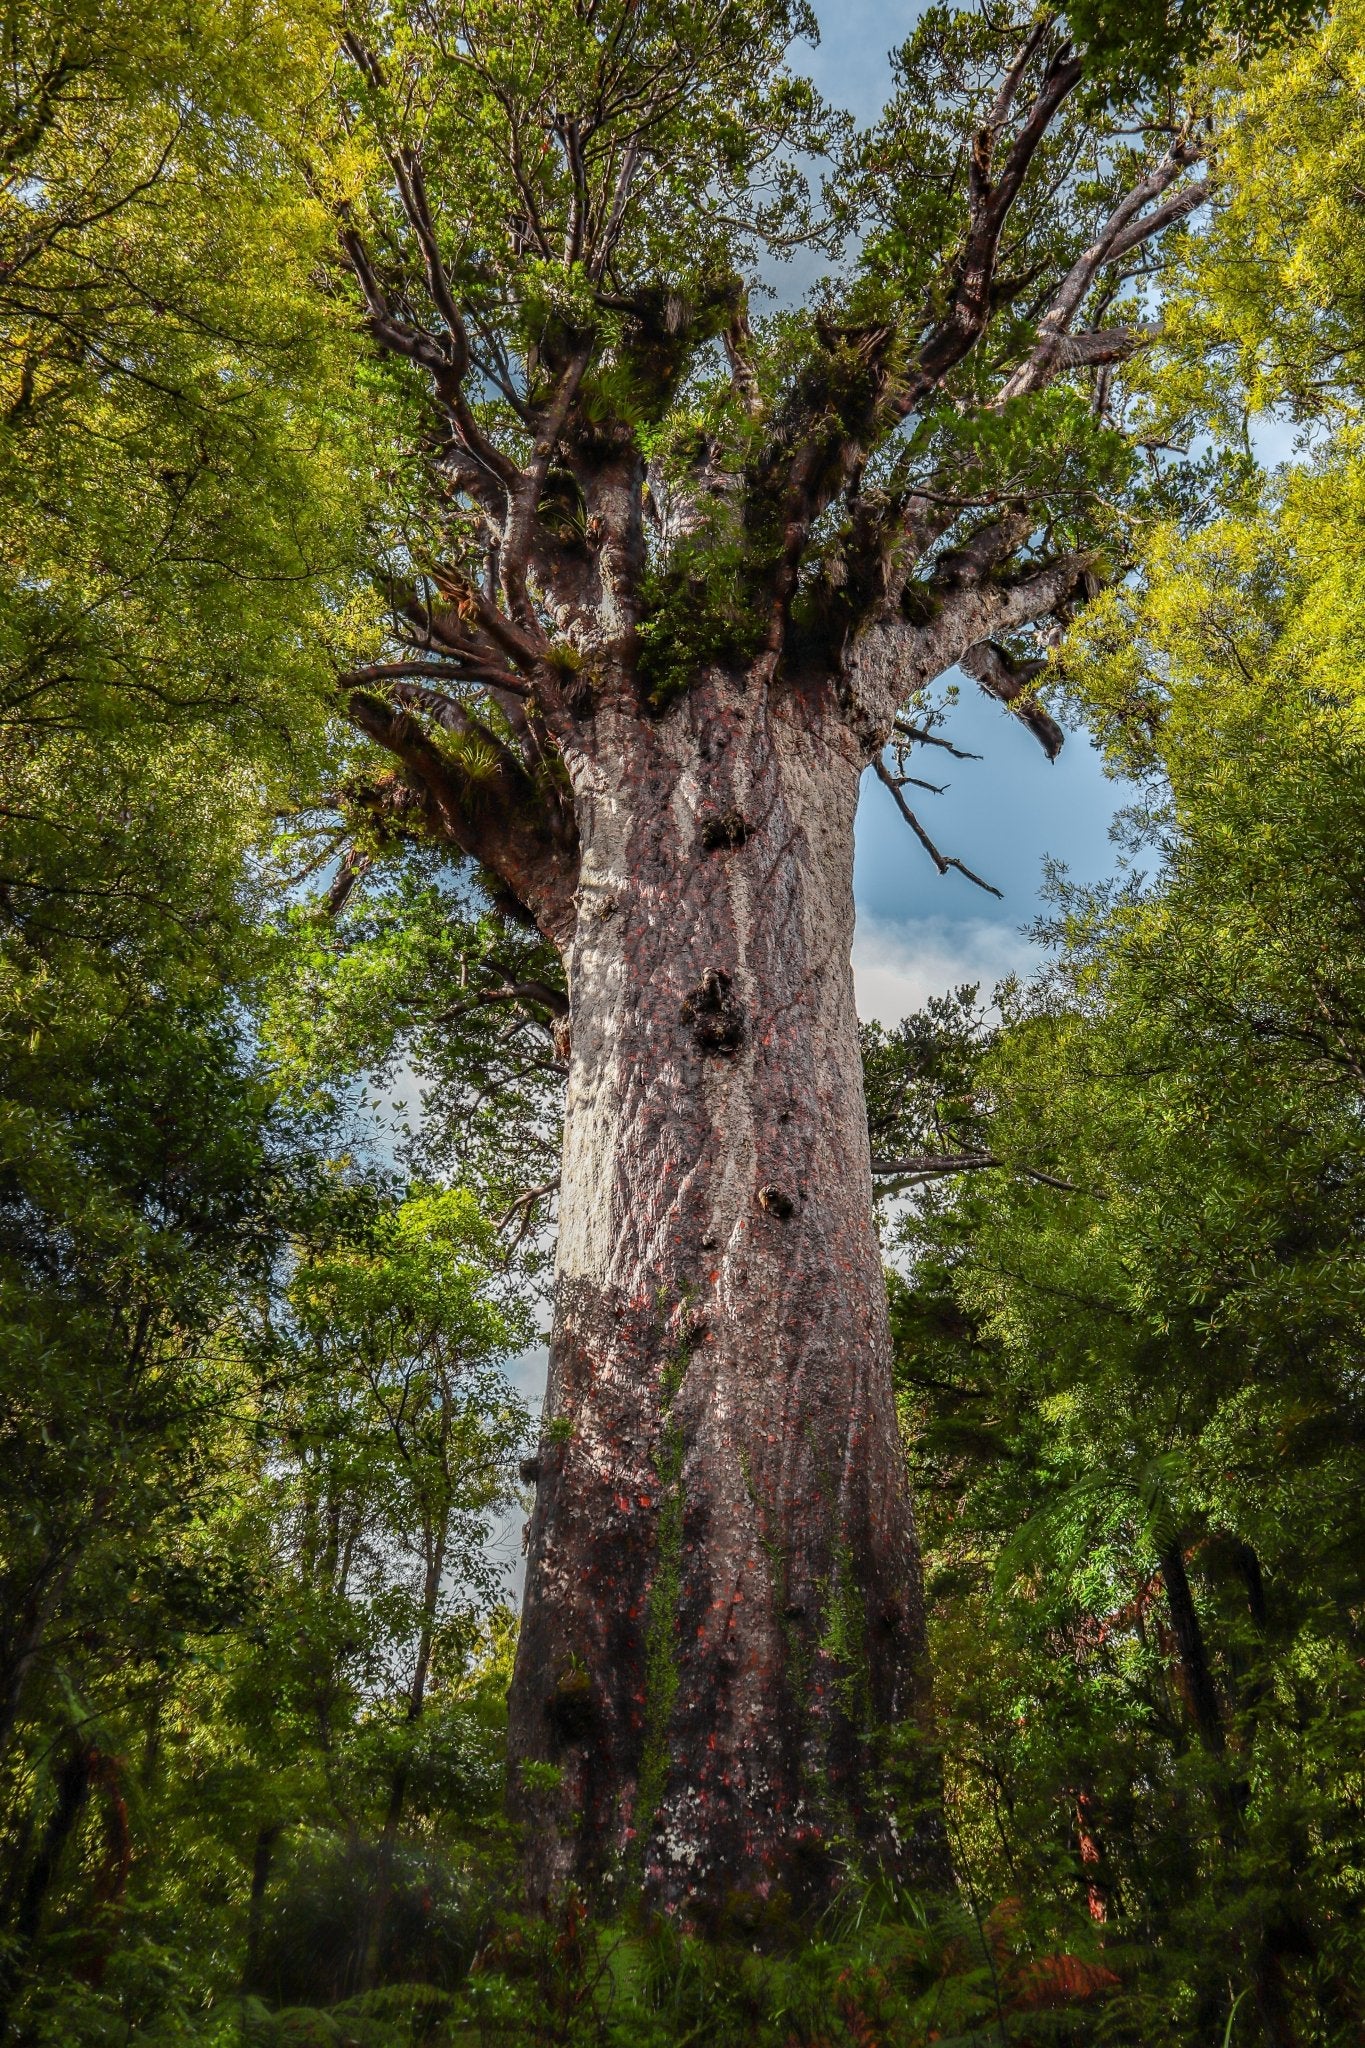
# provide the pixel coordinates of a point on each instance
(713, 1014)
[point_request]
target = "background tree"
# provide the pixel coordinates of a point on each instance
(177, 530)
(400, 1439)
(1129, 1348)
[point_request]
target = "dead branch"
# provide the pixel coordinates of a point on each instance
(941, 861)
(1008, 680)
(927, 1166)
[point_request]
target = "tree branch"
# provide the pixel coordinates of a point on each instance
(1008, 681)
(898, 654)
(989, 204)
(926, 1166)
(539, 992)
(525, 502)
(923, 738)
(433, 672)
(941, 861)
(499, 819)
(523, 1206)
(1126, 228)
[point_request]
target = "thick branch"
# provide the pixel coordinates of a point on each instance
(500, 819)
(525, 503)
(1126, 229)
(465, 670)
(538, 992)
(738, 339)
(1009, 681)
(1106, 345)
(897, 655)
(969, 305)
(351, 871)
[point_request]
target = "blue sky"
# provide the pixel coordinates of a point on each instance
(918, 931)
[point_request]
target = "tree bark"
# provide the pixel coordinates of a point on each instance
(723, 1620)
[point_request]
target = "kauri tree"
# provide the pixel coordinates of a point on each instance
(673, 575)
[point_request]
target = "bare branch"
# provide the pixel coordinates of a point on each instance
(523, 1206)
(922, 1166)
(1126, 229)
(926, 1166)
(918, 782)
(413, 192)
(923, 738)
(941, 861)
(1175, 208)
(611, 232)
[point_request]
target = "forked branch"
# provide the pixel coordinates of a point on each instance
(942, 861)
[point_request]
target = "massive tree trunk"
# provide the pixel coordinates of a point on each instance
(723, 1617)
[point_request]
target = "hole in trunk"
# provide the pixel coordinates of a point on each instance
(713, 1013)
(723, 829)
(569, 1707)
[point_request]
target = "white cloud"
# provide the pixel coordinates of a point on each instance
(898, 965)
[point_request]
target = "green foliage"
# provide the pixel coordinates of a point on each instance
(1265, 310)
(921, 1078)
(727, 126)
(1137, 43)
(1134, 1386)
(406, 978)
(699, 613)
(200, 1318)
(176, 522)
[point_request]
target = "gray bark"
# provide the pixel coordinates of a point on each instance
(723, 1617)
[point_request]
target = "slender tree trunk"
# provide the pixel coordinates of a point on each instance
(262, 1860)
(73, 1790)
(1200, 1689)
(723, 1616)
(23, 1642)
(376, 1908)
(1273, 2005)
